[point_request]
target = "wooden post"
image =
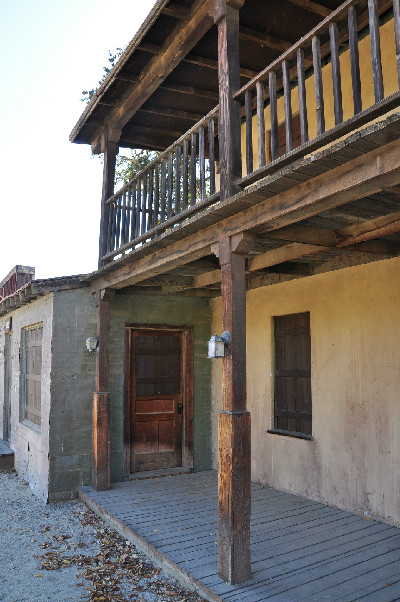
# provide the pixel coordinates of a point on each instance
(234, 478)
(110, 150)
(101, 398)
(226, 16)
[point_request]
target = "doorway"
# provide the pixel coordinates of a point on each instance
(159, 398)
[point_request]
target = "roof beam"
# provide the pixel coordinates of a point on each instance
(176, 11)
(177, 45)
(385, 225)
(263, 39)
(312, 7)
(190, 91)
(156, 110)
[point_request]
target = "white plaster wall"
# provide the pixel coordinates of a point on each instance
(31, 448)
(353, 461)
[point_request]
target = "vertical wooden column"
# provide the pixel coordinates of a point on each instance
(234, 478)
(101, 398)
(226, 16)
(110, 151)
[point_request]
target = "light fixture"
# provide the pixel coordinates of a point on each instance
(92, 344)
(216, 345)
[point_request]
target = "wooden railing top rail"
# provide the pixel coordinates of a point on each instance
(213, 114)
(336, 15)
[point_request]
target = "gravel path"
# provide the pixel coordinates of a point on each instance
(64, 552)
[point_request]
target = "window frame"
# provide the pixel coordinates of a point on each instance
(277, 403)
(25, 407)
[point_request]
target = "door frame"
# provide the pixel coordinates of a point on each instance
(185, 333)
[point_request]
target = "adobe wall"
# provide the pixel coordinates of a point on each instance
(29, 443)
(168, 311)
(352, 461)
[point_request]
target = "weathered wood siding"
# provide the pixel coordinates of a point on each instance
(352, 460)
(126, 309)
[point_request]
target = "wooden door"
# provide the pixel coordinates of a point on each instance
(156, 400)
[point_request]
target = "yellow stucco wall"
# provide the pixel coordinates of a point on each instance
(390, 81)
(353, 461)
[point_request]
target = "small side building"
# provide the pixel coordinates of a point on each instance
(47, 379)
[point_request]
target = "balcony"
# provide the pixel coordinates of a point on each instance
(339, 77)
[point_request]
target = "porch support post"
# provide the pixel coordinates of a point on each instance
(226, 16)
(110, 150)
(234, 480)
(101, 398)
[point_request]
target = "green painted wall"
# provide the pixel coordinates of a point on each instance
(72, 386)
(127, 309)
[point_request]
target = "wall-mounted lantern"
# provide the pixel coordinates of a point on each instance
(216, 345)
(92, 344)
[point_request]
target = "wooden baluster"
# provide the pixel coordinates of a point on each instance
(287, 99)
(396, 19)
(163, 188)
(319, 91)
(156, 195)
(302, 97)
(128, 213)
(202, 162)
(170, 184)
(185, 175)
(274, 116)
(118, 224)
(375, 50)
(211, 154)
(151, 201)
(249, 131)
(261, 124)
(145, 206)
(113, 245)
(336, 76)
(108, 209)
(193, 192)
(138, 207)
(134, 201)
(354, 60)
(177, 180)
(123, 218)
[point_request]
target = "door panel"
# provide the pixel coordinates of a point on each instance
(156, 401)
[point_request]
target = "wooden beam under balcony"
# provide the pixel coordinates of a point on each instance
(263, 39)
(188, 242)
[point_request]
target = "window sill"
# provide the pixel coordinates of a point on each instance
(32, 426)
(290, 434)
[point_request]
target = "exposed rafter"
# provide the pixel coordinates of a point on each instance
(312, 7)
(156, 110)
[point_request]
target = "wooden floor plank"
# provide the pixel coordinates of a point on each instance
(301, 550)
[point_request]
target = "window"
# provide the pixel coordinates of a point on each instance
(292, 403)
(31, 373)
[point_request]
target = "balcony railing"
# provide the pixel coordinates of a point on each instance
(295, 91)
(176, 182)
(270, 94)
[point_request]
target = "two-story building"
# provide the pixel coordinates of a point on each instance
(272, 213)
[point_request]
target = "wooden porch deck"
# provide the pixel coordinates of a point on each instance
(301, 550)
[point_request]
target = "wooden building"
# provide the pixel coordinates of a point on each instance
(271, 212)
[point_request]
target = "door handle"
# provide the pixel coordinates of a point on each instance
(179, 408)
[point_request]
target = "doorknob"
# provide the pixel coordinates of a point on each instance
(179, 408)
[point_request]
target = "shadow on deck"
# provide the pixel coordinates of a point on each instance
(6, 457)
(301, 550)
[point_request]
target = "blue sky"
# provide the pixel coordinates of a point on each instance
(50, 196)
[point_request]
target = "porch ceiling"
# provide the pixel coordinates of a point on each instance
(171, 93)
(337, 208)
